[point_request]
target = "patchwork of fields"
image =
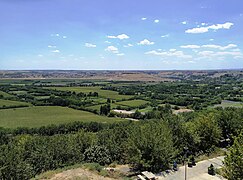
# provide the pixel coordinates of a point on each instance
(46, 115)
(8, 103)
(5, 94)
(103, 93)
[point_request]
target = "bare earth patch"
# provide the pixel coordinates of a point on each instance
(78, 174)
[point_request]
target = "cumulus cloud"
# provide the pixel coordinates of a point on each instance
(165, 36)
(56, 51)
(184, 22)
(145, 42)
(219, 53)
(219, 47)
(144, 18)
(121, 36)
(190, 46)
(112, 49)
(170, 53)
(215, 27)
(156, 21)
(64, 37)
(89, 45)
(50, 46)
(128, 45)
(213, 46)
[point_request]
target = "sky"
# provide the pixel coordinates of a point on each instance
(121, 34)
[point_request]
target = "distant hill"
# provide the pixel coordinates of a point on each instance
(151, 75)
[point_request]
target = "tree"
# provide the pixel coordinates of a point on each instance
(205, 131)
(97, 154)
(150, 146)
(234, 160)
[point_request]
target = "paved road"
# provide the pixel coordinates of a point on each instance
(198, 172)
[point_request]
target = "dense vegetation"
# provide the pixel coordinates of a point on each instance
(64, 124)
(145, 145)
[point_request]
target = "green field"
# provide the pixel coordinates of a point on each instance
(132, 103)
(102, 93)
(5, 94)
(18, 92)
(226, 103)
(8, 103)
(147, 109)
(46, 115)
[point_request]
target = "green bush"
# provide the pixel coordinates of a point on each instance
(97, 154)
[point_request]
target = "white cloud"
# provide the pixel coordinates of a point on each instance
(203, 24)
(145, 42)
(212, 46)
(197, 30)
(89, 45)
(128, 45)
(172, 50)
(219, 47)
(121, 36)
(40, 55)
(190, 46)
(108, 42)
(64, 37)
(184, 22)
(144, 18)
(112, 49)
(50, 46)
(174, 53)
(57, 35)
(120, 54)
(226, 25)
(56, 51)
(211, 39)
(156, 21)
(219, 55)
(165, 36)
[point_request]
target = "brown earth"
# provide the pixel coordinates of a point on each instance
(77, 174)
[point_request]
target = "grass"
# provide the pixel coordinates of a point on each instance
(4, 94)
(226, 103)
(103, 93)
(132, 103)
(18, 92)
(8, 103)
(46, 115)
(147, 109)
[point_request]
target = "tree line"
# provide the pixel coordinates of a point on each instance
(146, 145)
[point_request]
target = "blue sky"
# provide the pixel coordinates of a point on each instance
(115, 34)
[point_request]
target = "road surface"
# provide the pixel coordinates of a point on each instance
(198, 172)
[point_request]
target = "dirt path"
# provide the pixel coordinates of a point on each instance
(78, 174)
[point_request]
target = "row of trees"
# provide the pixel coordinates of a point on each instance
(146, 145)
